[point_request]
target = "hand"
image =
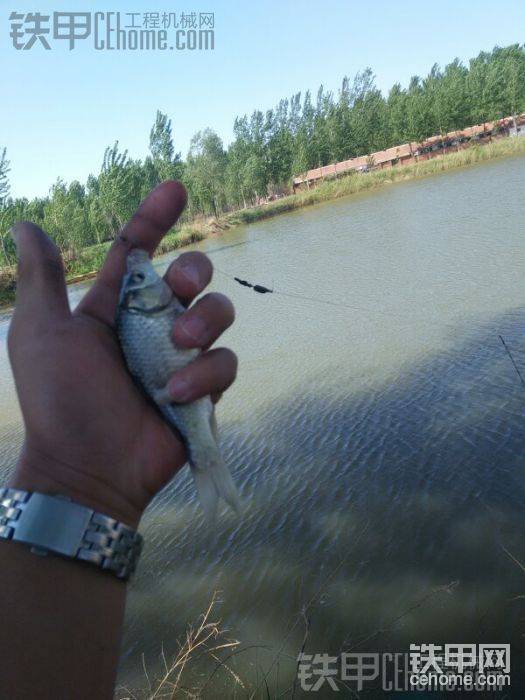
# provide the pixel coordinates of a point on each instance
(90, 433)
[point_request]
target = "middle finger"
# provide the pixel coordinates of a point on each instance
(188, 275)
(204, 322)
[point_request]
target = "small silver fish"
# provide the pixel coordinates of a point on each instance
(146, 313)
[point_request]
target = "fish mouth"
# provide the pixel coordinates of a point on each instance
(149, 311)
(132, 305)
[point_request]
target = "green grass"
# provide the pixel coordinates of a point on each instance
(88, 260)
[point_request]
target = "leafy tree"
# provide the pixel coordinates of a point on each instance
(418, 111)
(453, 97)
(303, 155)
(279, 144)
(119, 188)
(160, 140)
(66, 218)
(478, 88)
(205, 173)
(167, 163)
(397, 126)
(4, 171)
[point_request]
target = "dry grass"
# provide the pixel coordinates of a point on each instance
(192, 673)
(205, 641)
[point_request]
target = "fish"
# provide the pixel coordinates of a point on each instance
(147, 310)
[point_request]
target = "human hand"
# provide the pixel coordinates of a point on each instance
(90, 432)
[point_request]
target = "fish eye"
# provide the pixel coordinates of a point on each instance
(138, 277)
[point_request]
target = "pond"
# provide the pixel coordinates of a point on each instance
(376, 432)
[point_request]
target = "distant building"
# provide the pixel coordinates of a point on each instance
(414, 152)
(517, 130)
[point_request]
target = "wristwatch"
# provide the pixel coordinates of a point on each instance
(57, 525)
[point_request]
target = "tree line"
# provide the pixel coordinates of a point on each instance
(269, 148)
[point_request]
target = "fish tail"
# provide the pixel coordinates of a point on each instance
(213, 481)
(198, 429)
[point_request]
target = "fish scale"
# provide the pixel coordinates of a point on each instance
(146, 315)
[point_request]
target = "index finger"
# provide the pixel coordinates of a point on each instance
(152, 220)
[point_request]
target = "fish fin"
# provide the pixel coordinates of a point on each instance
(213, 424)
(207, 493)
(211, 474)
(214, 481)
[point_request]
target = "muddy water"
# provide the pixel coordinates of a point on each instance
(376, 431)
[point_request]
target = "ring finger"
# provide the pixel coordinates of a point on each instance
(211, 373)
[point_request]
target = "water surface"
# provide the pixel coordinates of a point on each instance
(376, 432)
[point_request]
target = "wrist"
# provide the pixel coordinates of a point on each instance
(41, 473)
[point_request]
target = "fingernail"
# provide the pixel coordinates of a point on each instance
(191, 274)
(179, 389)
(194, 328)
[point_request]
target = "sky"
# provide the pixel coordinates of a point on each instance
(61, 108)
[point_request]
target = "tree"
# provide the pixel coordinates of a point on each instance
(435, 115)
(66, 219)
(279, 144)
(418, 111)
(477, 87)
(167, 163)
(513, 73)
(4, 182)
(119, 187)
(397, 127)
(237, 188)
(160, 140)
(340, 118)
(322, 143)
(452, 94)
(304, 155)
(205, 172)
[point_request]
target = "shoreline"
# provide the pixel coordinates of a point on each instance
(85, 266)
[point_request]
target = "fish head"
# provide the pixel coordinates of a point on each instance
(143, 291)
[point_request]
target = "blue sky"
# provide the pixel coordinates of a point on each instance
(60, 109)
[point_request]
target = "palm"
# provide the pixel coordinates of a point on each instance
(116, 415)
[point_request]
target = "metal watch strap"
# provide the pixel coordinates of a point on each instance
(57, 525)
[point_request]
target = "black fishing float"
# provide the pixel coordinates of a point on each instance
(256, 287)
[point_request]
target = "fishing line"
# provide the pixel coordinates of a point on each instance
(227, 247)
(337, 304)
(512, 359)
(315, 300)
(342, 305)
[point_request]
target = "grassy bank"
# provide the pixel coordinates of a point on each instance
(359, 182)
(87, 261)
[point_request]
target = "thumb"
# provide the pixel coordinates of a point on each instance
(41, 288)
